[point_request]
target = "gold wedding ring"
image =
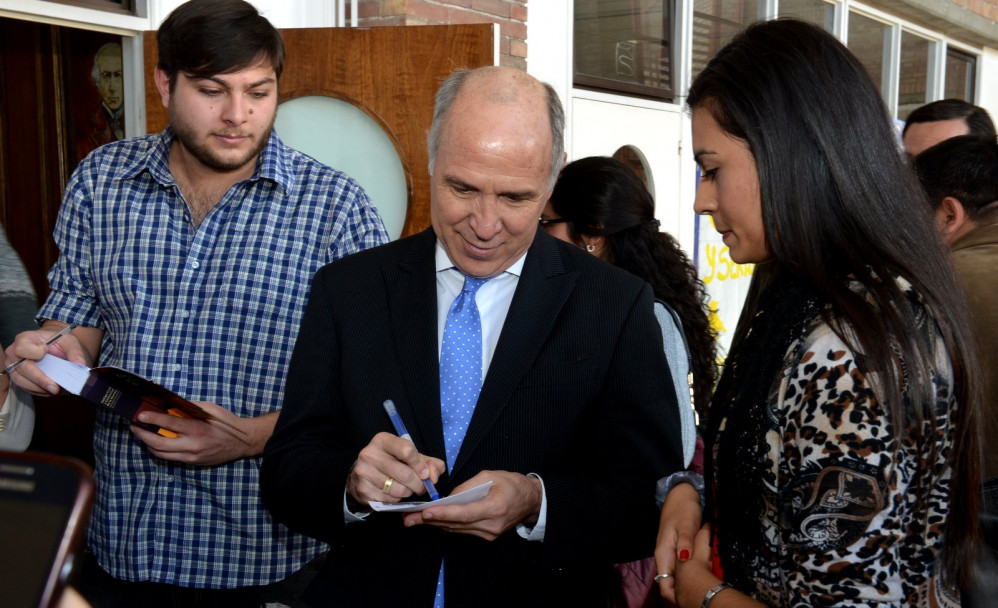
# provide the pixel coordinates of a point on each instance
(387, 488)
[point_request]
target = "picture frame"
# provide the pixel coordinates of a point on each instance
(93, 91)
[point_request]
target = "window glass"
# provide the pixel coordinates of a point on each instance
(817, 12)
(869, 40)
(913, 80)
(960, 74)
(624, 46)
(115, 6)
(715, 23)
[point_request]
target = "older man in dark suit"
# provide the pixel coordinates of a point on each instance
(512, 358)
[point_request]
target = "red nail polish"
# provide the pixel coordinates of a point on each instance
(684, 554)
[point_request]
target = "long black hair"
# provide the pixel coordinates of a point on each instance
(839, 205)
(600, 196)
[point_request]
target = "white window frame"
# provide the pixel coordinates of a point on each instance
(939, 43)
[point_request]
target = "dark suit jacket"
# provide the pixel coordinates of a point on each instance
(578, 392)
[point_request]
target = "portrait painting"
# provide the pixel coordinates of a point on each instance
(95, 92)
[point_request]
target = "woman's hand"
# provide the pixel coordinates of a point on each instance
(677, 527)
(695, 577)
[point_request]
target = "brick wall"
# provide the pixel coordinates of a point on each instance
(985, 8)
(511, 15)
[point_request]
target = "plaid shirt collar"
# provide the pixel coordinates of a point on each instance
(270, 164)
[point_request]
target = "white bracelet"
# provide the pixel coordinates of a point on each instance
(714, 591)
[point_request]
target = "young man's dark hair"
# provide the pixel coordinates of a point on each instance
(977, 119)
(965, 168)
(202, 38)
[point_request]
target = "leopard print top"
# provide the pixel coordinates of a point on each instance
(842, 524)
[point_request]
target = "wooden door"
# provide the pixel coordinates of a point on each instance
(391, 73)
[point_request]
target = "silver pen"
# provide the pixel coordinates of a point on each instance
(62, 332)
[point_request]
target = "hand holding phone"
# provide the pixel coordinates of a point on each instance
(44, 508)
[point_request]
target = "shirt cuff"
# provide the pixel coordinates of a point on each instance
(349, 516)
(536, 533)
(665, 485)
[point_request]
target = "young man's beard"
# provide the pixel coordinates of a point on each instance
(188, 138)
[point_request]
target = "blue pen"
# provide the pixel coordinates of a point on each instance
(404, 434)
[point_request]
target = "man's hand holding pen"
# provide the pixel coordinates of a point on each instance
(514, 499)
(389, 469)
(79, 344)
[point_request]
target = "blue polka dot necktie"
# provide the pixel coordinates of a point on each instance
(460, 378)
(460, 367)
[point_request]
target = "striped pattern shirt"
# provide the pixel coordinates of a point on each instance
(210, 312)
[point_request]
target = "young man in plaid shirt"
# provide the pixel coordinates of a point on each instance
(186, 257)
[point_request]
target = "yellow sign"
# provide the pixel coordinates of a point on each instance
(727, 282)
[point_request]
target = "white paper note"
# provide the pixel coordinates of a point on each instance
(70, 376)
(461, 498)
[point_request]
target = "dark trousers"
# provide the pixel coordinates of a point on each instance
(104, 591)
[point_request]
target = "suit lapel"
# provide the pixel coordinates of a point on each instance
(411, 285)
(541, 292)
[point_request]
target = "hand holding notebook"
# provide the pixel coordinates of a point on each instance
(124, 393)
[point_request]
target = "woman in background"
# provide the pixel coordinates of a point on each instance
(600, 205)
(17, 313)
(842, 455)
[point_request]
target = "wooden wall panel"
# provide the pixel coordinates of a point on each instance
(392, 73)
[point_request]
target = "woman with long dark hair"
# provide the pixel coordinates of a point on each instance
(600, 204)
(842, 455)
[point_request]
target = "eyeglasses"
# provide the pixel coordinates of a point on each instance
(557, 220)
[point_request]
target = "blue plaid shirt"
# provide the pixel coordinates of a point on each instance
(212, 313)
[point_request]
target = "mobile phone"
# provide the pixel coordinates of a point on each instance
(44, 507)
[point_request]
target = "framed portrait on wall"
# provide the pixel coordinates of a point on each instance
(94, 98)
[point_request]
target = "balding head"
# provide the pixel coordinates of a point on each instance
(495, 151)
(494, 92)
